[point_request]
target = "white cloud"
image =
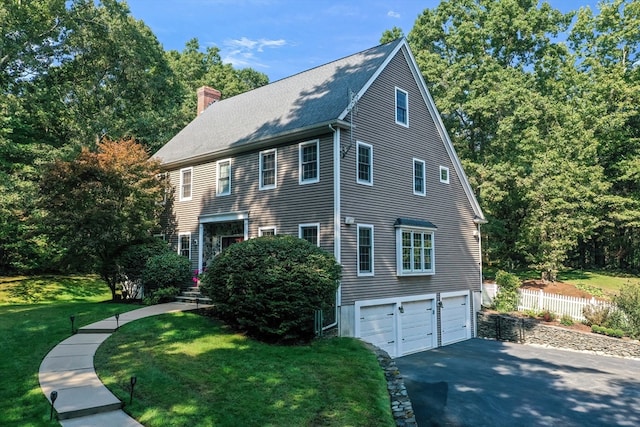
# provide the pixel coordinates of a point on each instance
(393, 14)
(241, 52)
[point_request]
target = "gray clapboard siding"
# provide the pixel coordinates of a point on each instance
(391, 196)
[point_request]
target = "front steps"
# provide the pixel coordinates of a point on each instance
(192, 294)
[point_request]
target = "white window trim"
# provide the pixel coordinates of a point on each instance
(424, 178)
(300, 162)
(310, 225)
(370, 147)
(400, 271)
(372, 272)
(182, 171)
(443, 168)
(395, 93)
(180, 236)
(275, 166)
(261, 230)
(218, 164)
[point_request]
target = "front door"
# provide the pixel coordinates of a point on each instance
(230, 240)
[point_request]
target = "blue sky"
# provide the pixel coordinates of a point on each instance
(283, 37)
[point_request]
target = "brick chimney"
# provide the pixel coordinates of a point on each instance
(207, 96)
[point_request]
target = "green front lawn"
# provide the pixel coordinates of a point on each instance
(28, 331)
(191, 370)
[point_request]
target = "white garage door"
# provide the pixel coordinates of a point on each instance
(454, 318)
(378, 326)
(417, 326)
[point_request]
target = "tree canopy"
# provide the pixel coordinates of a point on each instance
(543, 110)
(74, 73)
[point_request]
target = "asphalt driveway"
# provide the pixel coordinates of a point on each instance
(491, 383)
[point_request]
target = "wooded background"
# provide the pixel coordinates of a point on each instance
(543, 109)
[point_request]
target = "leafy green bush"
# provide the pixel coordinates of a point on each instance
(132, 261)
(164, 270)
(270, 287)
(157, 296)
(596, 314)
(628, 301)
(507, 298)
(566, 320)
(617, 333)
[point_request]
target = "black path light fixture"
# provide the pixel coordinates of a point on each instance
(73, 319)
(53, 396)
(117, 321)
(134, 380)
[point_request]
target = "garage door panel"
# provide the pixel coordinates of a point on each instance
(454, 315)
(377, 326)
(417, 326)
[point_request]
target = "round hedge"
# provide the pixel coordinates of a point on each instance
(270, 287)
(168, 269)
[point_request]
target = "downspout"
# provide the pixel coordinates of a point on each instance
(475, 320)
(336, 217)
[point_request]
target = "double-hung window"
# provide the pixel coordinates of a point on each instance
(419, 175)
(309, 162)
(224, 177)
(268, 169)
(365, 250)
(184, 244)
(310, 233)
(186, 183)
(402, 107)
(364, 164)
(415, 250)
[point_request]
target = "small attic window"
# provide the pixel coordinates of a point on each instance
(402, 107)
(444, 174)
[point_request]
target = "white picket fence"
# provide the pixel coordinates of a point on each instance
(558, 304)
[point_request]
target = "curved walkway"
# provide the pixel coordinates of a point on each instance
(68, 369)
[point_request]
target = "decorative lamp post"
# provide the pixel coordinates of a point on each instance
(53, 396)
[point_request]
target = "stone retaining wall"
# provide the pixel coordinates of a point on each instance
(532, 331)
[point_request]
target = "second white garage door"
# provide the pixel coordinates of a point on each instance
(417, 326)
(399, 327)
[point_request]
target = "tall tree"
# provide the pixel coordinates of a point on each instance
(100, 203)
(608, 44)
(494, 68)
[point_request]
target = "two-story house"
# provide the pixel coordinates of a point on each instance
(352, 156)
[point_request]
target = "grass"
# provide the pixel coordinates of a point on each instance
(188, 367)
(609, 282)
(29, 330)
(192, 371)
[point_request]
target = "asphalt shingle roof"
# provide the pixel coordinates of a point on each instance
(310, 98)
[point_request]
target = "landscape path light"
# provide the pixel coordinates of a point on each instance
(73, 319)
(133, 383)
(53, 396)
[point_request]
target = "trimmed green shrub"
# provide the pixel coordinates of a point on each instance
(158, 296)
(164, 270)
(628, 301)
(566, 320)
(507, 298)
(617, 333)
(131, 264)
(270, 287)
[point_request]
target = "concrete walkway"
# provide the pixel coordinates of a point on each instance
(68, 369)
